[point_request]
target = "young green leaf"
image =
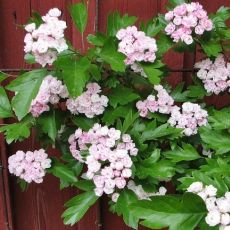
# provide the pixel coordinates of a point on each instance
(78, 206)
(17, 131)
(26, 86)
(79, 14)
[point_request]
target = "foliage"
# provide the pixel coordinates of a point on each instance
(134, 103)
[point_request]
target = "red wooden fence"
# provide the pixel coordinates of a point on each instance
(41, 206)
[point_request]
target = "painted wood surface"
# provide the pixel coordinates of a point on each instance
(40, 207)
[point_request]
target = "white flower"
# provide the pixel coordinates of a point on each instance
(115, 197)
(225, 219)
(55, 12)
(213, 218)
(210, 190)
(195, 187)
(30, 27)
(223, 205)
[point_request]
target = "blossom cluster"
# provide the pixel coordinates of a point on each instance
(46, 41)
(189, 119)
(142, 194)
(215, 75)
(50, 91)
(107, 154)
(136, 46)
(185, 19)
(29, 166)
(89, 103)
(162, 103)
(218, 208)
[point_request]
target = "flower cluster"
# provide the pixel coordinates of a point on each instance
(46, 41)
(186, 18)
(215, 75)
(189, 119)
(29, 166)
(163, 103)
(136, 46)
(50, 91)
(107, 155)
(218, 208)
(142, 194)
(89, 103)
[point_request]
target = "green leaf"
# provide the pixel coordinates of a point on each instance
(186, 153)
(83, 122)
(95, 72)
(178, 95)
(73, 73)
(125, 199)
(217, 140)
(115, 22)
(110, 55)
(121, 96)
(220, 119)
(211, 48)
(78, 206)
(164, 44)
(129, 120)
(85, 185)
(27, 86)
(5, 108)
(3, 76)
(153, 74)
(17, 131)
(164, 130)
(79, 14)
(50, 123)
(176, 212)
(110, 115)
(63, 172)
(97, 40)
(162, 169)
(29, 58)
(176, 2)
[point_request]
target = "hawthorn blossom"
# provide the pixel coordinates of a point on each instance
(189, 119)
(218, 208)
(89, 103)
(107, 154)
(185, 19)
(137, 47)
(29, 166)
(50, 91)
(162, 103)
(215, 75)
(46, 41)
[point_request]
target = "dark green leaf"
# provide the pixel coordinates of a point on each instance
(175, 212)
(50, 123)
(125, 199)
(121, 96)
(186, 153)
(110, 55)
(5, 108)
(211, 48)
